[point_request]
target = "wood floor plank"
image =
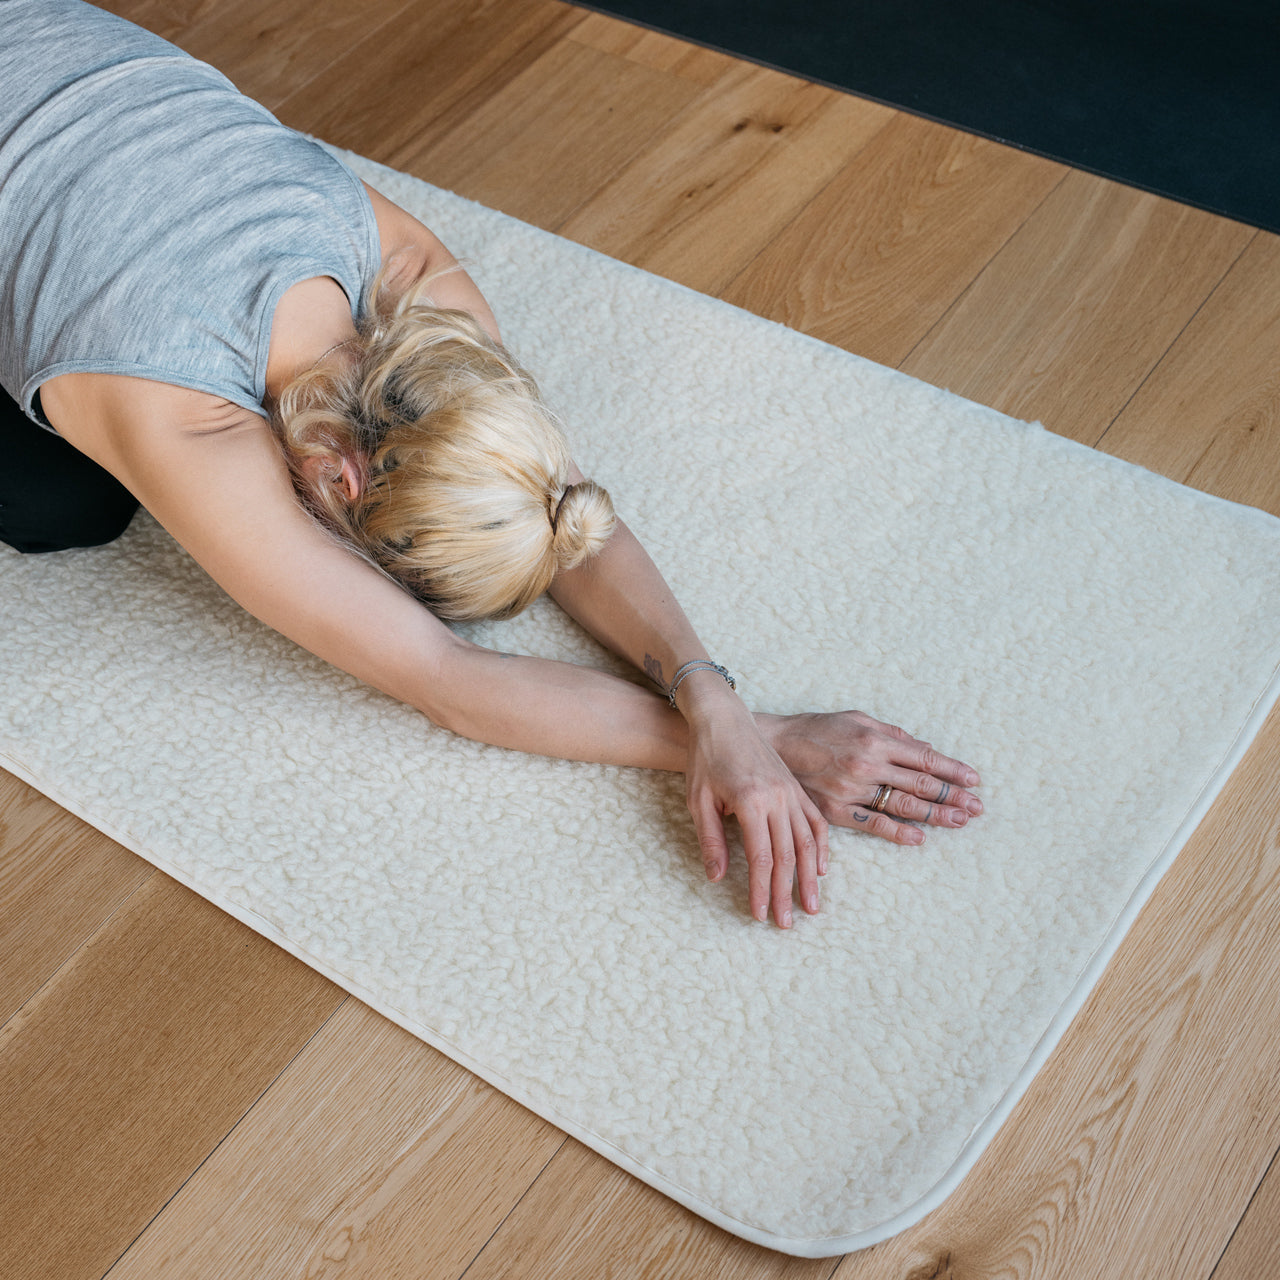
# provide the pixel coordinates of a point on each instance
(269, 48)
(59, 880)
(876, 260)
(652, 48)
(576, 112)
(732, 171)
(1139, 1143)
(1254, 1251)
(585, 1219)
(1080, 305)
(398, 98)
(274, 49)
(397, 92)
(372, 1155)
(1209, 415)
(124, 1072)
(167, 18)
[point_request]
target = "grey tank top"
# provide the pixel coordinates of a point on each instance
(151, 216)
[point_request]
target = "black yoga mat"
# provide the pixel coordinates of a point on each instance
(1181, 97)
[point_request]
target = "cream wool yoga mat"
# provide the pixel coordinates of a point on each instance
(1100, 642)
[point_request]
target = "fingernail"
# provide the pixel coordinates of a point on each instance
(712, 872)
(971, 779)
(959, 818)
(914, 836)
(761, 912)
(974, 805)
(811, 902)
(786, 918)
(822, 867)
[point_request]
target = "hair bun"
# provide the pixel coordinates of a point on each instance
(581, 523)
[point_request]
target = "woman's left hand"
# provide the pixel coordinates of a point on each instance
(844, 760)
(732, 769)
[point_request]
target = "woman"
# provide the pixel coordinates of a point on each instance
(184, 317)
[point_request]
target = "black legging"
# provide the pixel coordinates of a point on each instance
(51, 496)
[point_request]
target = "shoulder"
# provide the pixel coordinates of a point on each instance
(410, 249)
(398, 229)
(122, 422)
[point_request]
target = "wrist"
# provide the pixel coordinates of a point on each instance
(694, 667)
(705, 694)
(788, 735)
(770, 726)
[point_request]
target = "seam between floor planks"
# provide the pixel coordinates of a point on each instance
(515, 1205)
(217, 1146)
(711, 93)
(978, 275)
(1226, 1248)
(71, 958)
(1204, 302)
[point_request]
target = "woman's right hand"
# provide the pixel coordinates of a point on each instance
(843, 759)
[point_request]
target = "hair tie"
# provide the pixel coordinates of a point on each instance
(555, 515)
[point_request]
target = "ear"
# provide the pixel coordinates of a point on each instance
(348, 481)
(326, 469)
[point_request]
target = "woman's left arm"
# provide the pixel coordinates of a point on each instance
(783, 777)
(622, 599)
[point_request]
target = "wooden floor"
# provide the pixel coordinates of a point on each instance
(180, 1099)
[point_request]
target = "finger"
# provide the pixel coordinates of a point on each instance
(805, 843)
(758, 847)
(932, 813)
(921, 757)
(935, 790)
(818, 825)
(782, 873)
(880, 824)
(710, 828)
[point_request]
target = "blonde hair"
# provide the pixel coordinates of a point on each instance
(464, 496)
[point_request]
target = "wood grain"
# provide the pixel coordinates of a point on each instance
(1254, 1251)
(59, 880)
(1209, 415)
(729, 174)
(1080, 305)
(875, 260)
(124, 1072)
(577, 112)
(584, 1218)
(371, 1156)
(652, 49)
(167, 18)
(392, 99)
(278, 46)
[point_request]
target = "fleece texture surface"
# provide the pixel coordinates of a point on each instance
(1100, 642)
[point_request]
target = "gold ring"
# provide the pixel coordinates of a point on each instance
(881, 802)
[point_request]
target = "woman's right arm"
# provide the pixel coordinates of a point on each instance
(218, 484)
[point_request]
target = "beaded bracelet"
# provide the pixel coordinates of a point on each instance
(698, 664)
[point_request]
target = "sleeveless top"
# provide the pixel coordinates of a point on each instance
(152, 216)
